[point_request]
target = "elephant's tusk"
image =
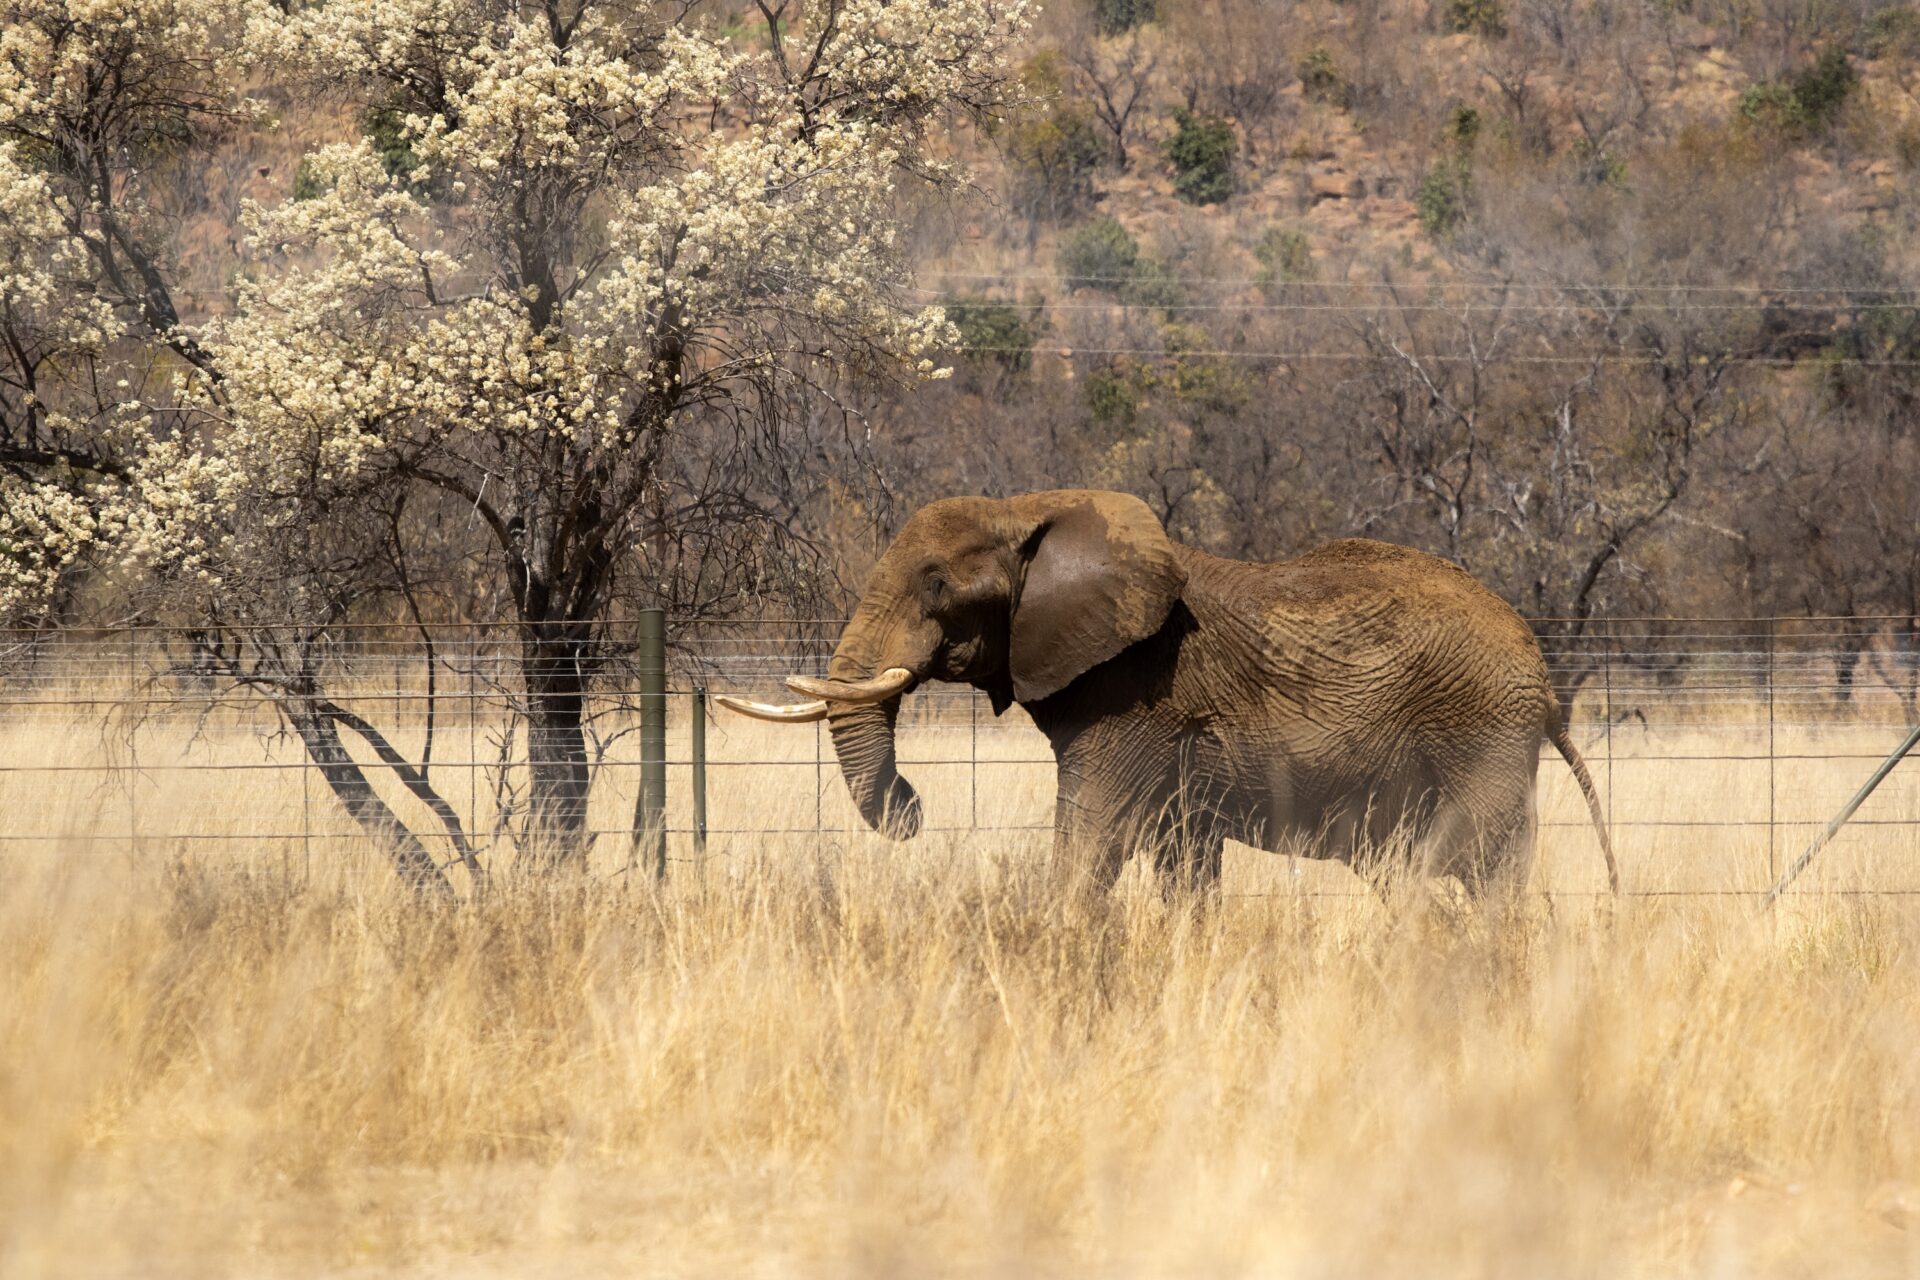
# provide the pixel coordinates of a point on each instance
(798, 713)
(877, 689)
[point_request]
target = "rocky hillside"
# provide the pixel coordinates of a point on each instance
(1368, 138)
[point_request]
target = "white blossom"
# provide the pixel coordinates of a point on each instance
(386, 331)
(45, 528)
(600, 229)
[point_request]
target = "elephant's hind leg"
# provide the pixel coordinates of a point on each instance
(1510, 866)
(1490, 852)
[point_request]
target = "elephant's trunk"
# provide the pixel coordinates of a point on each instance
(873, 652)
(863, 741)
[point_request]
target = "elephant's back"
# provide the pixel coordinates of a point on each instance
(1367, 612)
(1360, 581)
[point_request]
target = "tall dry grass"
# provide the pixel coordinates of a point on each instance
(881, 1065)
(830, 1055)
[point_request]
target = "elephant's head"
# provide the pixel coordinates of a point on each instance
(1016, 596)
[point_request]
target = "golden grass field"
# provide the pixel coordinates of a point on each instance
(826, 1055)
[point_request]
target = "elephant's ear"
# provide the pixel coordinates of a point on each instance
(1101, 574)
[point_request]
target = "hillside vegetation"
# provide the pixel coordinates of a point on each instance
(1613, 303)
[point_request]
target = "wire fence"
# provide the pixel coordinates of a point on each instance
(1720, 746)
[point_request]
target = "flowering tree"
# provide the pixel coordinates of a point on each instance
(93, 95)
(598, 255)
(598, 248)
(52, 467)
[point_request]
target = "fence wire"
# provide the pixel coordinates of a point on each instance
(1719, 745)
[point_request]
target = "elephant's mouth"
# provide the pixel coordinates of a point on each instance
(890, 683)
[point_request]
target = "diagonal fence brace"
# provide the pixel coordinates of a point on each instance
(1840, 819)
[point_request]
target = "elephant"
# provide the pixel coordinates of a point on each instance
(1360, 697)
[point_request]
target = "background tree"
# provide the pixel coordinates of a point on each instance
(604, 254)
(1116, 75)
(54, 457)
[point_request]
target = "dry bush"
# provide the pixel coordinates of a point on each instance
(1235, 58)
(1116, 76)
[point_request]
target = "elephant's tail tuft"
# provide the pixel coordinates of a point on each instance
(1557, 730)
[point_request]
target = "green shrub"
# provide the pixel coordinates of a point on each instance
(1481, 17)
(1202, 150)
(1822, 89)
(1187, 375)
(1462, 128)
(1111, 398)
(1770, 105)
(1884, 329)
(1115, 16)
(385, 129)
(1152, 285)
(1881, 342)
(1320, 78)
(1196, 376)
(1808, 103)
(1442, 198)
(993, 333)
(1053, 159)
(1284, 255)
(1893, 32)
(1100, 255)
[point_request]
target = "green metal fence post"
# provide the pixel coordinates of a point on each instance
(653, 734)
(699, 754)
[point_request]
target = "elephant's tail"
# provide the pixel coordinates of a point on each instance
(1557, 730)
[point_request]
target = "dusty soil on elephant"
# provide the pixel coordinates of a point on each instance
(873, 1063)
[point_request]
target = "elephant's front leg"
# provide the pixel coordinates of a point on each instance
(1103, 816)
(1093, 828)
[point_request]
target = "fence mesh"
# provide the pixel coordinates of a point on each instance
(1720, 747)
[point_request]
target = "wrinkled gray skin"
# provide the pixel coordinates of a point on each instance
(1363, 696)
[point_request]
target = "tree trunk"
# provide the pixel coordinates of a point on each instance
(321, 735)
(415, 780)
(1847, 663)
(552, 659)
